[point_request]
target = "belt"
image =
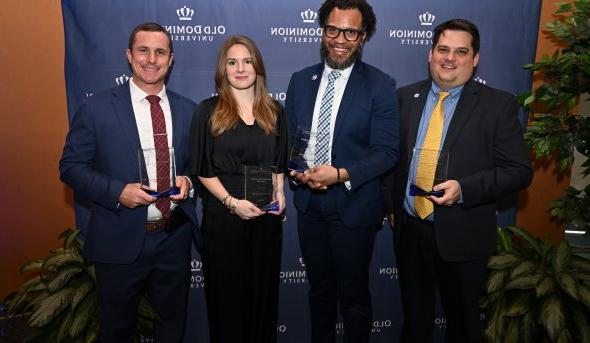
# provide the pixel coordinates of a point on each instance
(410, 218)
(152, 226)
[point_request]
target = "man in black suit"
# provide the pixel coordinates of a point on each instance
(443, 242)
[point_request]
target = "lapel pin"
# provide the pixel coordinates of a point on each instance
(314, 76)
(416, 96)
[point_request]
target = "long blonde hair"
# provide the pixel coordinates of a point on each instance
(226, 114)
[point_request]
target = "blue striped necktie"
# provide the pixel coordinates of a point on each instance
(322, 148)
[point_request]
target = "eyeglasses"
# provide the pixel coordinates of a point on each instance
(350, 35)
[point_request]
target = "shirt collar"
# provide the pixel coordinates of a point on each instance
(138, 95)
(453, 92)
(344, 73)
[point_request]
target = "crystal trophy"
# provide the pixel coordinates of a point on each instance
(259, 187)
(302, 155)
(148, 166)
(437, 160)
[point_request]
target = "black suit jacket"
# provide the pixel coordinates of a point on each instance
(487, 156)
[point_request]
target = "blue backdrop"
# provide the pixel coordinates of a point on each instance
(288, 35)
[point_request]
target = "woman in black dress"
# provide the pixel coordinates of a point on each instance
(242, 126)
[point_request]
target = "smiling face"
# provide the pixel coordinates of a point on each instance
(150, 60)
(452, 60)
(338, 52)
(239, 67)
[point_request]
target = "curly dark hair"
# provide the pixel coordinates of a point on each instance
(369, 20)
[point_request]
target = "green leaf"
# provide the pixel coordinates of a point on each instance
(495, 281)
(86, 312)
(562, 256)
(531, 242)
(498, 262)
(564, 336)
(62, 277)
(50, 307)
(525, 267)
(59, 259)
(524, 282)
(33, 265)
(580, 264)
(64, 325)
(513, 330)
(568, 284)
(81, 292)
(581, 329)
(552, 316)
(584, 296)
(546, 286)
(519, 305)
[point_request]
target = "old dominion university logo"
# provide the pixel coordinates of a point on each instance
(187, 27)
(304, 31)
(416, 34)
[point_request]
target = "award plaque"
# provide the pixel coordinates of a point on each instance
(259, 187)
(148, 165)
(433, 160)
(302, 155)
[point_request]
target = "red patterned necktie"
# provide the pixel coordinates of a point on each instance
(162, 153)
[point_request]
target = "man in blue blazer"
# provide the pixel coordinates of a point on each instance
(136, 242)
(443, 241)
(352, 107)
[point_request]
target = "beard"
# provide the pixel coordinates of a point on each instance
(357, 53)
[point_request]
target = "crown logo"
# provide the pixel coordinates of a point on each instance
(121, 79)
(480, 80)
(426, 18)
(309, 16)
(185, 13)
(196, 265)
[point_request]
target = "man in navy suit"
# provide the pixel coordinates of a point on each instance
(443, 242)
(135, 243)
(352, 107)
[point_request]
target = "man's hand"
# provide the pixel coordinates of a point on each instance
(133, 196)
(322, 176)
(184, 185)
(452, 193)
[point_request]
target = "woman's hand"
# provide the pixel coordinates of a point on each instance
(280, 197)
(247, 210)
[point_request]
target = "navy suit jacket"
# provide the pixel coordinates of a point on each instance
(487, 156)
(365, 142)
(100, 157)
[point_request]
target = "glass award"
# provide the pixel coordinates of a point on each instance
(302, 155)
(259, 187)
(437, 160)
(150, 183)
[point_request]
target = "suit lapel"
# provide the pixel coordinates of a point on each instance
(355, 82)
(464, 108)
(309, 98)
(124, 112)
(413, 114)
(176, 124)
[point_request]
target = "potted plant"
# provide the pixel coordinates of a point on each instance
(60, 300)
(558, 125)
(537, 292)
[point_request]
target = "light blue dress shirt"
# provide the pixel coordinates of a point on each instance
(450, 103)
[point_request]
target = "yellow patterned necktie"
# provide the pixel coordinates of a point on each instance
(429, 157)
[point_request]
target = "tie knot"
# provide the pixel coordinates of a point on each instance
(153, 99)
(442, 96)
(334, 74)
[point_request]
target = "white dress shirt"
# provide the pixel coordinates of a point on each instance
(143, 119)
(339, 86)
